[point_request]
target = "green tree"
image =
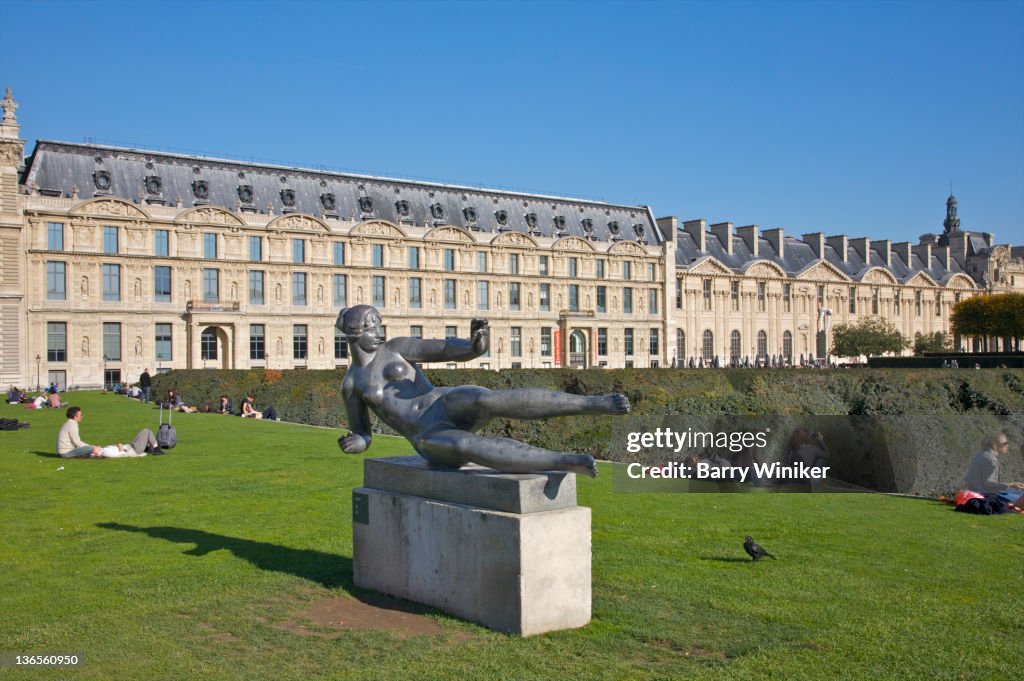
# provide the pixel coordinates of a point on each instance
(990, 316)
(970, 317)
(933, 342)
(869, 336)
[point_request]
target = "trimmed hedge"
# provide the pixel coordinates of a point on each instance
(978, 397)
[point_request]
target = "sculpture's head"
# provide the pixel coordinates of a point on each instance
(361, 325)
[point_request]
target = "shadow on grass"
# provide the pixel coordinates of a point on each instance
(726, 559)
(49, 455)
(324, 568)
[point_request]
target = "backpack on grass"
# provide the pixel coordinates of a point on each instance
(166, 435)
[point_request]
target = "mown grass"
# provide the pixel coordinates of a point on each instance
(186, 566)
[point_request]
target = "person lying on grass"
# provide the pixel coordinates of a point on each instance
(71, 446)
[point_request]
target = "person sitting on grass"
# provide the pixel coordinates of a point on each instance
(224, 407)
(249, 410)
(983, 472)
(71, 446)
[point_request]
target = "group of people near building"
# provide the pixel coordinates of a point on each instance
(46, 399)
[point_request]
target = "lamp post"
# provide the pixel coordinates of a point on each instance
(38, 360)
(105, 360)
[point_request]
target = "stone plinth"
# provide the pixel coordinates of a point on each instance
(510, 551)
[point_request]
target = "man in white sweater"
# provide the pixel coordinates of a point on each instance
(69, 443)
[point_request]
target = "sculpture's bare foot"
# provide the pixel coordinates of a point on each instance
(617, 403)
(585, 465)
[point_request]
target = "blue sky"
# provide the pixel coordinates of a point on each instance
(836, 117)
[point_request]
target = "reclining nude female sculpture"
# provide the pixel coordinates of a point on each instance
(441, 423)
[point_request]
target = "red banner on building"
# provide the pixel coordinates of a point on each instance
(558, 348)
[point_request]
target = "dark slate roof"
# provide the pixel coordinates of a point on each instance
(798, 256)
(55, 167)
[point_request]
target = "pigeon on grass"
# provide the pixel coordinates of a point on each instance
(754, 550)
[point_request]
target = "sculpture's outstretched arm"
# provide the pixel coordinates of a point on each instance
(450, 350)
(358, 438)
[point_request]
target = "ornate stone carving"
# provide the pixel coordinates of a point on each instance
(298, 221)
(365, 205)
(210, 215)
(572, 243)
(9, 106)
(627, 248)
(154, 185)
(245, 193)
(449, 234)
(402, 208)
(101, 178)
(377, 228)
(110, 207)
(201, 189)
(513, 239)
(328, 201)
(11, 154)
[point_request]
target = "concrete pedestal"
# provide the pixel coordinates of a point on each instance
(510, 551)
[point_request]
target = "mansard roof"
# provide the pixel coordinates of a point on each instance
(151, 177)
(799, 256)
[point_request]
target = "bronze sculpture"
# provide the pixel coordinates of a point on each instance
(441, 423)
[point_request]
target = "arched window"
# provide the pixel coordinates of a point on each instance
(708, 351)
(762, 345)
(208, 344)
(787, 346)
(735, 347)
(680, 345)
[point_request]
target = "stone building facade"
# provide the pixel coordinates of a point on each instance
(117, 260)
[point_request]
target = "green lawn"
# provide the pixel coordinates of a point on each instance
(196, 565)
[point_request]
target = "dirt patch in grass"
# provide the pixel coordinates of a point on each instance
(695, 652)
(367, 612)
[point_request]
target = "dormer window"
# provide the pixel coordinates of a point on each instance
(288, 198)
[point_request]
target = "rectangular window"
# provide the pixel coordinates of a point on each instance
(378, 255)
(513, 263)
(516, 341)
(110, 239)
(821, 296)
(414, 257)
(762, 298)
(340, 290)
(679, 294)
(161, 243)
(651, 272)
(298, 251)
(543, 266)
(917, 303)
(652, 301)
(56, 342)
(896, 304)
(853, 300)
(481, 262)
(627, 300)
(339, 253)
(449, 260)
(655, 344)
(298, 288)
(483, 295)
(340, 344)
(162, 284)
(56, 281)
(707, 294)
(545, 297)
(601, 274)
(574, 268)
(163, 342)
(111, 283)
(256, 248)
(545, 341)
(602, 342)
(257, 341)
(734, 295)
(451, 332)
(415, 331)
(787, 297)
(210, 246)
(938, 306)
(415, 292)
(450, 295)
(874, 300)
(55, 236)
(514, 295)
(256, 287)
(627, 270)
(112, 341)
(574, 298)
(300, 341)
(211, 285)
(627, 342)
(602, 298)
(378, 291)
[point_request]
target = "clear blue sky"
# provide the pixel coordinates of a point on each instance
(839, 117)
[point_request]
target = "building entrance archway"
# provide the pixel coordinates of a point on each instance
(578, 350)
